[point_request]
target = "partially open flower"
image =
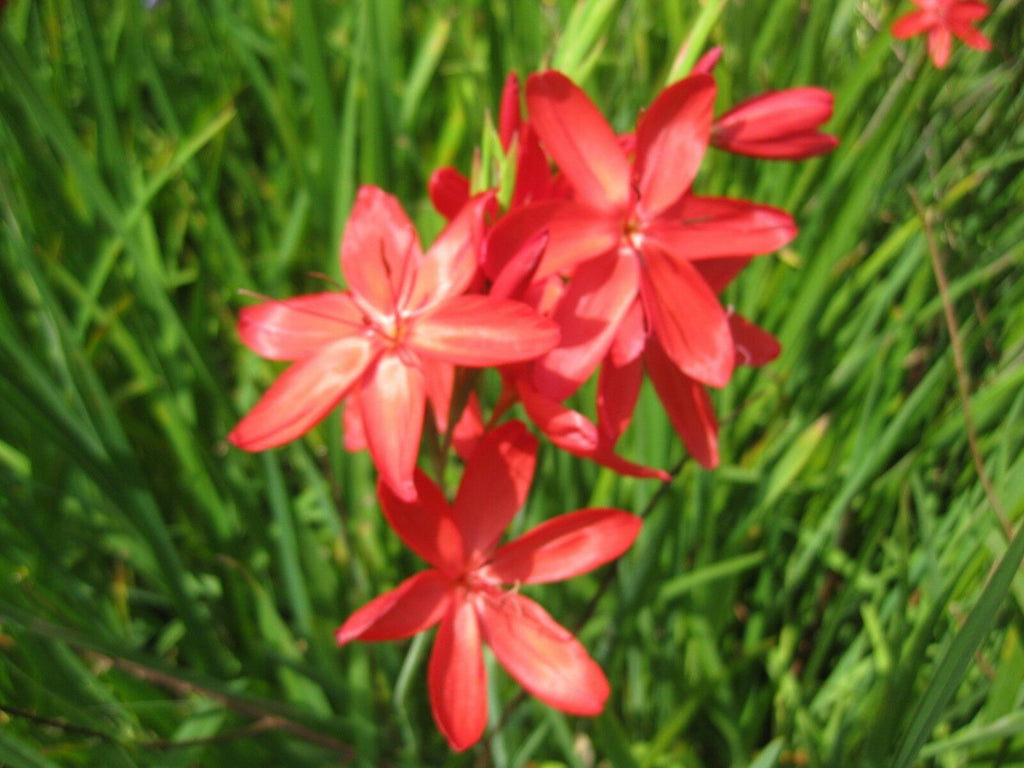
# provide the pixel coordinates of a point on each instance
(781, 125)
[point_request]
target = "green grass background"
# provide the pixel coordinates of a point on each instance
(840, 592)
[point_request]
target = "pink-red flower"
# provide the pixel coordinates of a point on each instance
(633, 230)
(392, 340)
(942, 20)
(568, 429)
(465, 590)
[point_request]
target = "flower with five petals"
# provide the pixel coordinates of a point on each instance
(464, 590)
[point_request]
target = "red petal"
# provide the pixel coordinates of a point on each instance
(542, 655)
(632, 336)
(754, 345)
(508, 113)
(295, 328)
(671, 140)
(627, 142)
(380, 251)
(513, 282)
(544, 295)
(393, 398)
(494, 487)
(303, 395)
(604, 454)
(450, 264)
(514, 236)
(618, 389)
(579, 139)
(913, 23)
(967, 10)
(798, 147)
(687, 404)
(457, 678)
(568, 429)
(425, 525)
(573, 432)
(449, 191)
(469, 428)
(480, 331)
(352, 423)
(707, 63)
(705, 227)
(565, 546)
(532, 172)
(575, 233)
(970, 36)
(940, 41)
(414, 605)
(687, 319)
(719, 272)
(598, 296)
(439, 379)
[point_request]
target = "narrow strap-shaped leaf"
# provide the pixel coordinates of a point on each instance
(950, 671)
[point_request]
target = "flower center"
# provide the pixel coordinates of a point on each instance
(633, 234)
(481, 582)
(392, 327)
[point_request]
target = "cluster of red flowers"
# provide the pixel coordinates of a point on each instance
(599, 258)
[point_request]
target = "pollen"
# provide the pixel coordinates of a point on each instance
(633, 235)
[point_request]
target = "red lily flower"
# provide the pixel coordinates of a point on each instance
(633, 230)
(943, 20)
(393, 338)
(463, 590)
(568, 429)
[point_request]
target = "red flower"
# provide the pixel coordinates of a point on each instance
(393, 338)
(943, 20)
(568, 429)
(463, 591)
(633, 230)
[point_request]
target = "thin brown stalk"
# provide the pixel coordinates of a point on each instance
(264, 718)
(962, 379)
(265, 721)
